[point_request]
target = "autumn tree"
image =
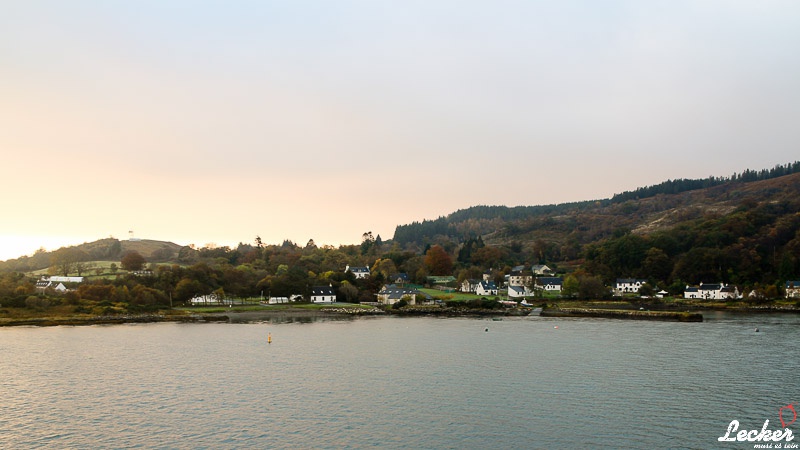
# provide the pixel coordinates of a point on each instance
(132, 260)
(384, 266)
(438, 261)
(64, 260)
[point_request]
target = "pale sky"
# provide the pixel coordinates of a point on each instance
(216, 121)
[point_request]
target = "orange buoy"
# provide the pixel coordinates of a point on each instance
(269, 338)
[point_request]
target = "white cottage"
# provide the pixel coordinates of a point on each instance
(322, 294)
(359, 272)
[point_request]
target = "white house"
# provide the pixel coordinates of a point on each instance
(793, 289)
(56, 283)
(322, 294)
(44, 285)
(712, 291)
(359, 272)
(628, 285)
(391, 294)
(519, 292)
(63, 279)
(550, 284)
(486, 288)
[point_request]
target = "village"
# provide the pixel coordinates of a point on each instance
(521, 285)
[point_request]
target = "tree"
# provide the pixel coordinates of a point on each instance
(438, 261)
(647, 290)
(64, 260)
(657, 264)
(83, 266)
(385, 267)
(349, 291)
(367, 241)
(132, 261)
(570, 287)
(592, 288)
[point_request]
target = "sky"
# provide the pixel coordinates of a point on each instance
(213, 122)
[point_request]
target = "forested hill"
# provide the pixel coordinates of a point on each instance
(571, 225)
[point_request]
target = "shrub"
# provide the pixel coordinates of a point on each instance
(400, 304)
(35, 302)
(15, 302)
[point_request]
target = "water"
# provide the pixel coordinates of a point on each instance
(398, 383)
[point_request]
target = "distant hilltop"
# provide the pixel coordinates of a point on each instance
(109, 249)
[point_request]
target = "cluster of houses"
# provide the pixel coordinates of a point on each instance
(56, 283)
(520, 284)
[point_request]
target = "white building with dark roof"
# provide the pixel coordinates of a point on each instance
(486, 288)
(550, 284)
(322, 294)
(712, 291)
(359, 272)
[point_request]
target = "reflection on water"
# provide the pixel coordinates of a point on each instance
(392, 382)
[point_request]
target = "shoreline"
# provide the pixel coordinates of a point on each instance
(683, 313)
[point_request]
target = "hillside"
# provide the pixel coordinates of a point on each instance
(589, 221)
(109, 249)
(732, 231)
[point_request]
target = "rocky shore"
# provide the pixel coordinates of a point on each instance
(675, 316)
(687, 313)
(110, 320)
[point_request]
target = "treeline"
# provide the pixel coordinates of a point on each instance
(685, 185)
(476, 220)
(481, 220)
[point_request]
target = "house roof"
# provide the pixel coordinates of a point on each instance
(399, 276)
(630, 280)
(322, 290)
(558, 281)
(517, 289)
(358, 269)
(396, 293)
(793, 284)
(488, 285)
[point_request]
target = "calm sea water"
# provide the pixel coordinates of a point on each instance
(399, 383)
